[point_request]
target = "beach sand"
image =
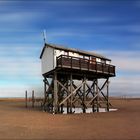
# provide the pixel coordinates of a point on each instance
(18, 122)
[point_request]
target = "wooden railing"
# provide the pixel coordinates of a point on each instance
(84, 64)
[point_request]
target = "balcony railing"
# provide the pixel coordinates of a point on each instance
(84, 64)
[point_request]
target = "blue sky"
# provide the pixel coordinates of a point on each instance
(109, 27)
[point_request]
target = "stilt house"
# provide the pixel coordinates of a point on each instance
(65, 65)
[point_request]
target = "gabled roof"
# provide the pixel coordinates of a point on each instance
(72, 50)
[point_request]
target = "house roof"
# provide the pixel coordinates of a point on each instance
(72, 50)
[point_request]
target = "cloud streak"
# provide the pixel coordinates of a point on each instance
(112, 27)
(126, 61)
(127, 78)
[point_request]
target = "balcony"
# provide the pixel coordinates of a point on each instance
(71, 62)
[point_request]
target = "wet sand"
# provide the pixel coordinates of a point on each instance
(17, 122)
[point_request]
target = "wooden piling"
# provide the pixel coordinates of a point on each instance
(107, 95)
(33, 99)
(45, 97)
(67, 95)
(84, 94)
(55, 94)
(97, 92)
(61, 108)
(71, 93)
(26, 97)
(93, 102)
(64, 93)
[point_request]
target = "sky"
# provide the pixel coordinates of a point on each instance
(108, 27)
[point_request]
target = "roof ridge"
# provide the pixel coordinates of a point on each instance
(74, 50)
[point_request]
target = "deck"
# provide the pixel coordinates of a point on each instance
(76, 63)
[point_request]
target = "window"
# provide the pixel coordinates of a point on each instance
(98, 60)
(93, 60)
(80, 56)
(86, 57)
(108, 62)
(66, 53)
(103, 61)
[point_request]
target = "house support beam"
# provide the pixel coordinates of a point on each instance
(84, 94)
(64, 93)
(71, 98)
(107, 94)
(55, 94)
(97, 94)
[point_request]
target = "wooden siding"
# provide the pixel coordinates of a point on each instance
(47, 60)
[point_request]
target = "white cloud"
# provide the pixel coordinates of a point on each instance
(125, 85)
(69, 4)
(126, 82)
(20, 70)
(19, 16)
(19, 66)
(62, 33)
(93, 19)
(19, 58)
(19, 90)
(20, 21)
(18, 76)
(126, 61)
(127, 78)
(132, 28)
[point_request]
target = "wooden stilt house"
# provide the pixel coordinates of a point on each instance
(62, 66)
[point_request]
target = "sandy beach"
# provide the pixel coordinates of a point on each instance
(17, 122)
